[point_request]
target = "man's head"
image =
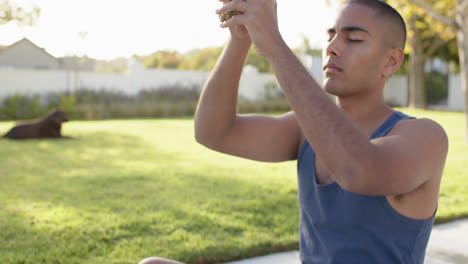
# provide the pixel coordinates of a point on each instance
(392, 19)
(365, 47)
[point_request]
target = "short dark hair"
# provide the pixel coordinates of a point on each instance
(386, 11)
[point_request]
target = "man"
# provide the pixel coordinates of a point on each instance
(368, 176)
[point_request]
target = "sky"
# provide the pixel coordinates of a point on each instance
(106, 29)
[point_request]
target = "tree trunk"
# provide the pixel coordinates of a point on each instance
(417, 90)
(416, 78)
(462, 35)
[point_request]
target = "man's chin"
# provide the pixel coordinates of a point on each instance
(334, 89)
(330, 86)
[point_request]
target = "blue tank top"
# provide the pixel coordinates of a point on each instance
(337, 226)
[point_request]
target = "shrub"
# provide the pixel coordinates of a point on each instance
(10, 107)
(90, 111)
(170, 93)
(278, 105)
(436, 87)
(167, 101)
(19, 107)
(67, 104)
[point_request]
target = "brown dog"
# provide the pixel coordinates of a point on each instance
(48, 126)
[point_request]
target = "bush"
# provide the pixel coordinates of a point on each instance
(167, 101)
(67, 104)
(170, 93)
(23, 107)
(19, 107)
(436, 88)
(278, 105)
(90, 112)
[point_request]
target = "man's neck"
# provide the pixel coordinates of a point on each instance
(367, 113)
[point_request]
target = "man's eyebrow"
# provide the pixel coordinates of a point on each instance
(354, 28)
(348, 29)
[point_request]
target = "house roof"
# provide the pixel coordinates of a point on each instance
(30, 42)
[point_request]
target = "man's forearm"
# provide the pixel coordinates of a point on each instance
(216, 109)
(334, 137)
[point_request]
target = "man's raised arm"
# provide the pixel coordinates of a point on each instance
(351, 159)
(217, 125)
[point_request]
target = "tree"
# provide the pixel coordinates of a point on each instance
(206, 59)
(170, 61)
(254, 59)
(11, 12)
(162, 59)
(459, 21)
(425, 37)
(201, 60)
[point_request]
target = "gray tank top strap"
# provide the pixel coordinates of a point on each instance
(383, 130)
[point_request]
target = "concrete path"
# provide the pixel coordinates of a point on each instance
(448, 245)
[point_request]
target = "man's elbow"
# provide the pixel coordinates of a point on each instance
(352, 179)
(368, 181)
(205, 139)
(349, 183)
(357, 187)
(201, 137)
(201, 133)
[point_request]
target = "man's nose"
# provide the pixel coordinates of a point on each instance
(333, 48)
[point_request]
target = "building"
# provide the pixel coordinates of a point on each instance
(24, 54)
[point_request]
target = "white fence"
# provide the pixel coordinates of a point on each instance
(253, 85)
(396, 90)
(24, 82)
(44, 81)
(455, 94)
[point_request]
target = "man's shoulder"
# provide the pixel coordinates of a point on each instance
(422, 131)
(421, 126)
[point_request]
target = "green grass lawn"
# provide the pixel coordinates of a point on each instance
(124, 190)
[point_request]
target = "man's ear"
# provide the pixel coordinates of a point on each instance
(394, 59)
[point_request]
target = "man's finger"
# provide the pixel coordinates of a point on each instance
(235, 20)
(235, 5)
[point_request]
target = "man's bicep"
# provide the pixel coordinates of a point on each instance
(263, 138)
(408, 157)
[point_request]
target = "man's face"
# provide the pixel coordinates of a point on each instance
(354, 57)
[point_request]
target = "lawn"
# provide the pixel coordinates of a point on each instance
(124, 190)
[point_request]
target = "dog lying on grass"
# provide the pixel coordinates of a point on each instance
(48, 126)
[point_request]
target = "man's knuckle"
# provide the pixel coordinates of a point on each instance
(236, 3)
(256, 9)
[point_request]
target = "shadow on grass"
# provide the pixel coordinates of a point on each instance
(199, 225)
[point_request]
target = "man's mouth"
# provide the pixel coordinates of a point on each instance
(331, 68)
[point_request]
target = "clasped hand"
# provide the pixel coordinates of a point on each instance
(260, 19)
